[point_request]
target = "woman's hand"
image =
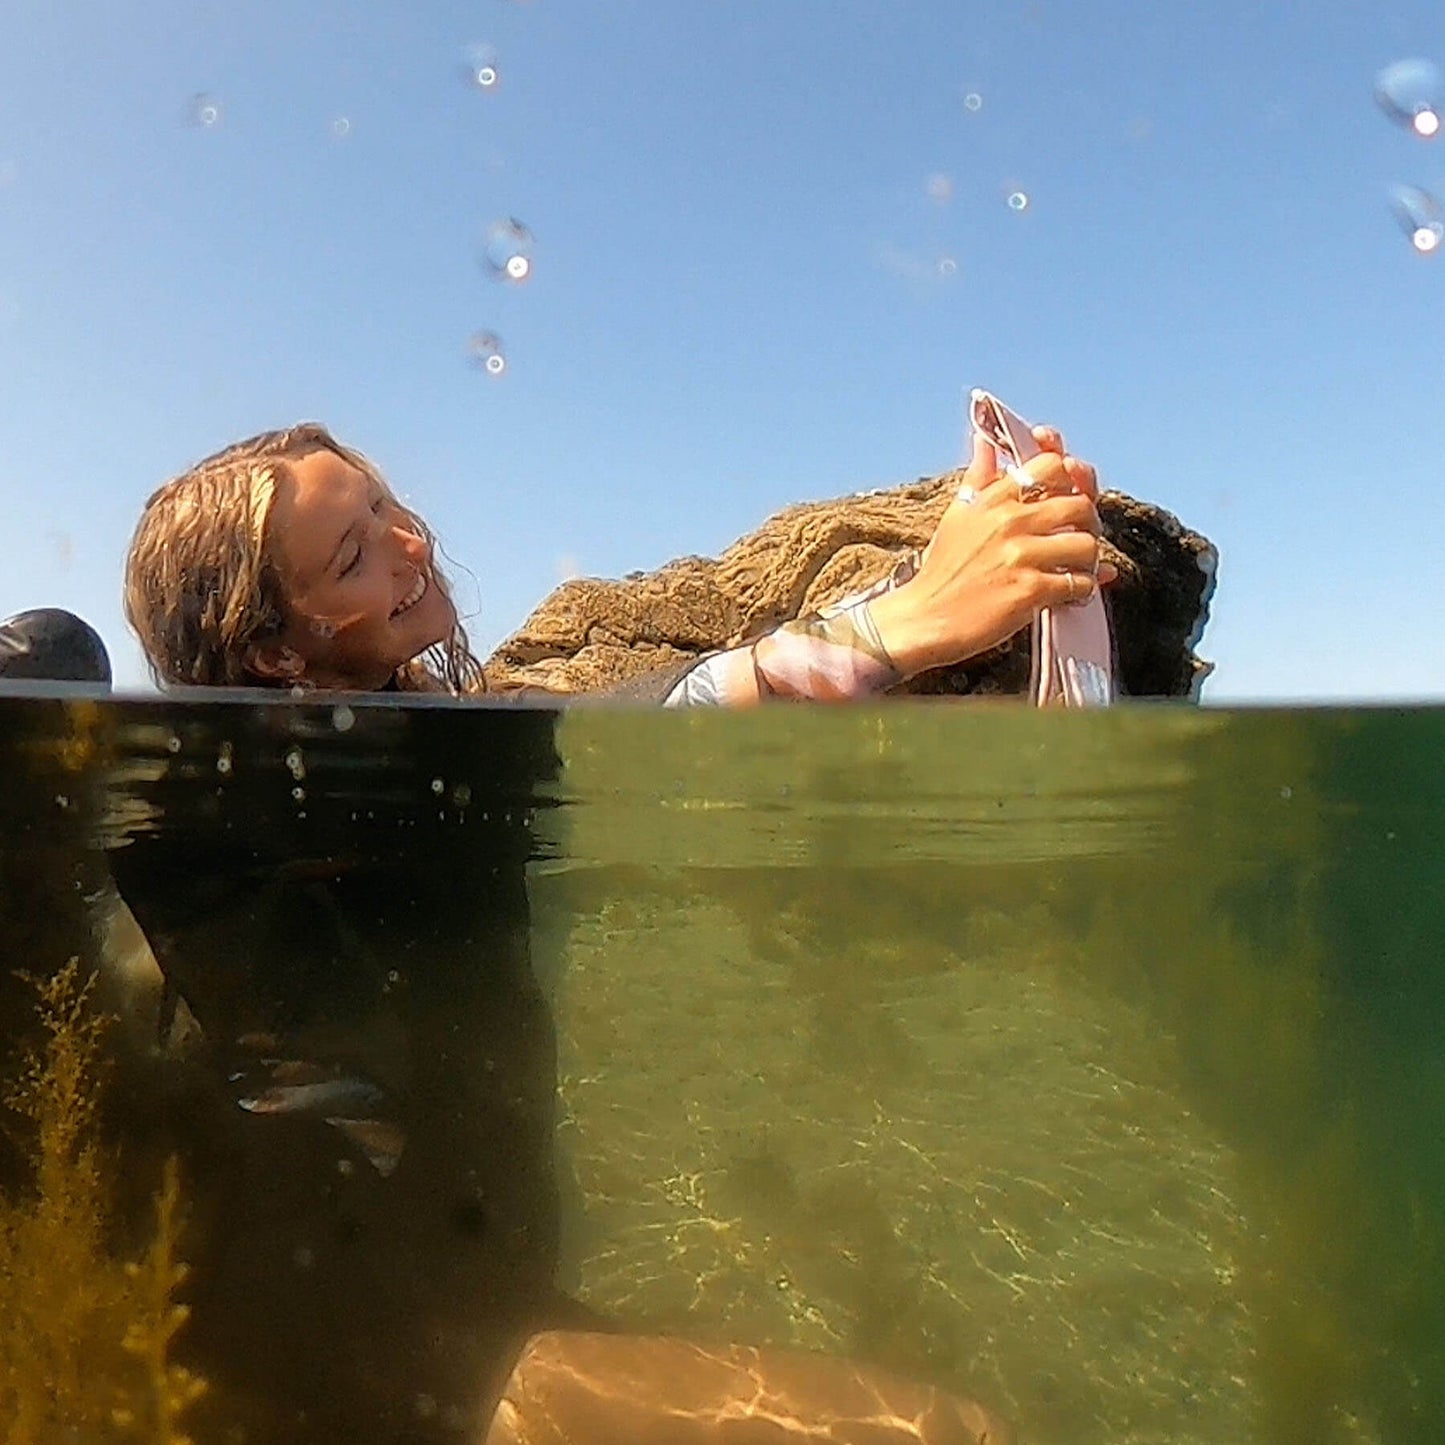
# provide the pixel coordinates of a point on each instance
(997, 558)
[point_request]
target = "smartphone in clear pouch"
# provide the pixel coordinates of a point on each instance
(1073, 647)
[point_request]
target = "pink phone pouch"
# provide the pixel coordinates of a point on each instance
(1073, 648)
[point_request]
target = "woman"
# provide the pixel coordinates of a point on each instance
(287, 560)
(404, 965)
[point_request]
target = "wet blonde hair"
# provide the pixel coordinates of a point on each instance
(201, 586)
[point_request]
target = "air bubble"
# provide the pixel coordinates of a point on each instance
(299, 793)
(303, 1256)
(973, 101)
(223, 759)
(1410, 92)
(1018, 201)
(947, 267)
(204, 112)
(296, 764)
(340, 127)
(173, 744)
(438, 786)
(508, 252)
(1420, 217)
(484, 348)
(342, 718)
(939, 188)
(462, 794)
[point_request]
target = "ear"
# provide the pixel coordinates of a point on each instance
(274, 661)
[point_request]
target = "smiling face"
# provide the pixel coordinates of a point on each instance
(356, 570)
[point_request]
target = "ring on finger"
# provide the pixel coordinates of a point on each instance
(1029, 490)
(1073, 588)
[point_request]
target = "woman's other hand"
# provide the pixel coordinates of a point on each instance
(999, 554)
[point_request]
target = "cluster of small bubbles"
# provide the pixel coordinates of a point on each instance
(508, 250)
(485, 350)
(1018, 201)
(296, 764)
(204, 111)
(1411, 93)
(173, 744)
(462, 794)
(342, 718)
(340, 128)
(223, 759)
(939, 188)
(973, 101)
(1420, 217)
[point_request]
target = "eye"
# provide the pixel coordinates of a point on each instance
(352, 564)
(377, 503)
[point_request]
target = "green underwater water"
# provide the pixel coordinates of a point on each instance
(1088, 1066)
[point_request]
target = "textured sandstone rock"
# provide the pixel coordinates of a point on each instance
(592, 634)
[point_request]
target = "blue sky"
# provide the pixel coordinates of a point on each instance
(737, 299)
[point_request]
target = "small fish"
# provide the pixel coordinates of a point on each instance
(345, 1102)
(379, 1139)
(346, 1097)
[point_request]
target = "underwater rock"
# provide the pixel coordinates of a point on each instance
(597, 1389)
(592, 634)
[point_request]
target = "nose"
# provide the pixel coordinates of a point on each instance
(412, 546)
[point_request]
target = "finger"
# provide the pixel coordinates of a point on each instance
(1068, 513)
(1061, 552)
(1069, 588)
(1049, 438)
(982, 465)
(1083, 476)
(1046, 475)
(983, 468)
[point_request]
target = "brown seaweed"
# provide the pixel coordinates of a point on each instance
(85, 1336)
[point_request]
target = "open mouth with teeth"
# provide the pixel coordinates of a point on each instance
(417, 592)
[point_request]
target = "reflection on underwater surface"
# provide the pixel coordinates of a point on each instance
(1083, 1066)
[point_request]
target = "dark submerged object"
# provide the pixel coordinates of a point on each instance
(52, 645)
(598, 1389)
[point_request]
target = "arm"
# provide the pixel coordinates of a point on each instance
(996, 558)
(836, 655)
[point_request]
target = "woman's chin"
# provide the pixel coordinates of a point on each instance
(435, 631)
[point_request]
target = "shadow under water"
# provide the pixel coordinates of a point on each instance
(1083, 1066)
